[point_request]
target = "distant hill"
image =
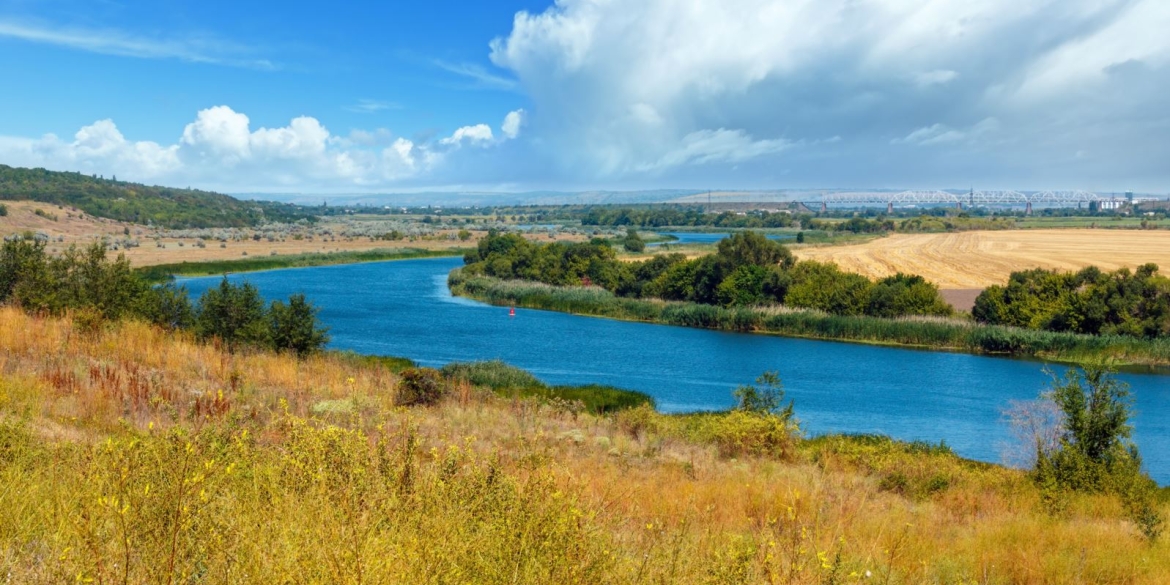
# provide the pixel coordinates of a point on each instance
(134, 202)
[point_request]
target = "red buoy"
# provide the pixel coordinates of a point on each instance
(512, 312)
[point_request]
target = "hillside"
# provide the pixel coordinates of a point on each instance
(137, 203)
(139, 456)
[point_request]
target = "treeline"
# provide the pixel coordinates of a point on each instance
(859, 224)
(96, 289)
(1090, 301)
(920, 224)
(133, 202)
(664, 217)
(746, 270)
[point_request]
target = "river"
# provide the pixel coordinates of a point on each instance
(403, 308)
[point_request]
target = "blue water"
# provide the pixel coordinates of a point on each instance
(403, 308)
(708, 237)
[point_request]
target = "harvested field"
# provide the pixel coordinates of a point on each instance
(970, 260)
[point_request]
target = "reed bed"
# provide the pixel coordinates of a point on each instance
(129, 455)
(932, 333)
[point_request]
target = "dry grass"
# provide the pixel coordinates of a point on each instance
(150, 458)
(73, 226)
(72, 223)
(968, 260)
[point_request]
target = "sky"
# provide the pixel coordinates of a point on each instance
(357, 97)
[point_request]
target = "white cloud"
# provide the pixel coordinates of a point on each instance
(480, 78)
(708, 146)
(512, 122)
(119, 43)
(221, 133)
(621, 89)
(479, 135)
(220, 150)
(942, 134)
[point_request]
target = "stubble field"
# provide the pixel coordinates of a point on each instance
(974, 260)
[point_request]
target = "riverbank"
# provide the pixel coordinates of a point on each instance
(922, 333)
(164, 272)
(137, 455)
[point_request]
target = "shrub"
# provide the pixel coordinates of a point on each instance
(741, 433)
(765, 399)
(1094, 453)
(421, 386)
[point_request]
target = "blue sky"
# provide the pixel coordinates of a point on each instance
(350, 97)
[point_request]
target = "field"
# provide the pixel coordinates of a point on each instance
(67, 226)
(130, 455)
(973, 260)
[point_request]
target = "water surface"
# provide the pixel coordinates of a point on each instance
(403, 308)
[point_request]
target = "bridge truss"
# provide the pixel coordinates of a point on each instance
(970, 199)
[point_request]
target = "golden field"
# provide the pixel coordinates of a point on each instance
(132, 455)
(978, 259)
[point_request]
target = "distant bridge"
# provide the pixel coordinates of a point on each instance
(892, 199)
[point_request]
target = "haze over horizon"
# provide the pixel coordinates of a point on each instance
(590, 95)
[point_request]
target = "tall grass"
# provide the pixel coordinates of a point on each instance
(129, 455)
(164, 272)
(933, 333)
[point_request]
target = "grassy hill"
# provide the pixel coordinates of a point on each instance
(130, 455)
(134, 202)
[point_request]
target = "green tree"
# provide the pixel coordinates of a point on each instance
(633, 242)
(169, 307)
(294, 328)
(825, 287)
(20, 259)
(234, 314)
(744, 287)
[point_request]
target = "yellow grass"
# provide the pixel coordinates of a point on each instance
(131, 455)
(968, 260)
(73, 226)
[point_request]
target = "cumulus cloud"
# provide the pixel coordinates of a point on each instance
(619, 89)
(477, 135)
(220, 149)
(511, 126)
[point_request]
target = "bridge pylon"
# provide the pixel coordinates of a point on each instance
(1028, 208)
(890, 208)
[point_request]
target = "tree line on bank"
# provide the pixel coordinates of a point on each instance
(1134, 303)
(95, 289)
(746, 270)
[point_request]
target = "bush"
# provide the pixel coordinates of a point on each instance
(741, 433)
(765, 399)
(421, 386)
(293, 327)
(1094, 452)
